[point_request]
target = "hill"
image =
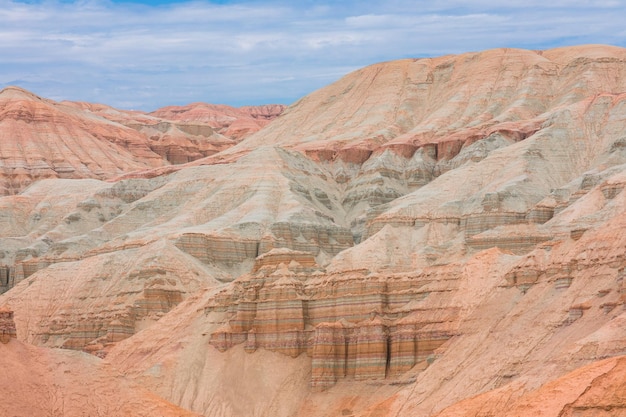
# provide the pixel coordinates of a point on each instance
(419, 238)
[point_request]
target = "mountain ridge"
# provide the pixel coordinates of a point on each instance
(45, 139)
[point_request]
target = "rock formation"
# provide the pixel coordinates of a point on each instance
(360, 326)
(7, 325)
(419, 238)
(44, 139)
(234, 123)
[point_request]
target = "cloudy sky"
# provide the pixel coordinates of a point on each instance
(146, 54)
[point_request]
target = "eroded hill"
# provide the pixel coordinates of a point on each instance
(410, 240)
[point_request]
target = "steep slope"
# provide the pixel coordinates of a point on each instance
(38, 381)
(414, 102)
(593, 390)
(417, 234)
(388, 129)
(211, 220)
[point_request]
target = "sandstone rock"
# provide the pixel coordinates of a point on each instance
(296, 261)
(7, 325)
(38, 381)
(363, 328)
(44, 139)
(150, 281)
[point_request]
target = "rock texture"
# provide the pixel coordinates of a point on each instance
(423, 237)
(40, 381)
(7, 325)
(361, 326)
(43, 139)
(182, 134)
(593, 390)
(46, 382)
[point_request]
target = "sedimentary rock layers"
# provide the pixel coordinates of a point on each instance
(356, 327)
(182, 134)
(309, 238)
(43, 139)
(7, 278)
(155, 279)
(232, 252)
(7, 325)
(218, 249)
(235, 123)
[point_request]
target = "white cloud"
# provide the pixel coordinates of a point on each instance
(133, 55)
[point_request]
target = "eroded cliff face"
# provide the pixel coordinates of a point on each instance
(7, 325)
(353, 325)
(419, 234)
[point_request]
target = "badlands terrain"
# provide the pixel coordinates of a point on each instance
(424, 237)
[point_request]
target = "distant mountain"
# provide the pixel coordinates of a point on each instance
(44, 139)
(236, 123)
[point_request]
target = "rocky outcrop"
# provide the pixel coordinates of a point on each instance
(296, 261)
(183, 134)
(182, 143)
(7, 278)
(370, 349)
(311, 238)
(238, 255)
(225, 250)
(43, 139)
(157, 279)
(7, 325)
(352, 325)
(97, 333)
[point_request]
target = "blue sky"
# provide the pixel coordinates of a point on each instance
(147, 54)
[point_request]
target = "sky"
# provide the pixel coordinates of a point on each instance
(145, 54)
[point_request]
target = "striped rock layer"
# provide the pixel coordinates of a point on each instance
(358, 328)
(45, 139)
(7, 325)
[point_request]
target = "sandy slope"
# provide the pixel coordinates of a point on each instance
(48, 382)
